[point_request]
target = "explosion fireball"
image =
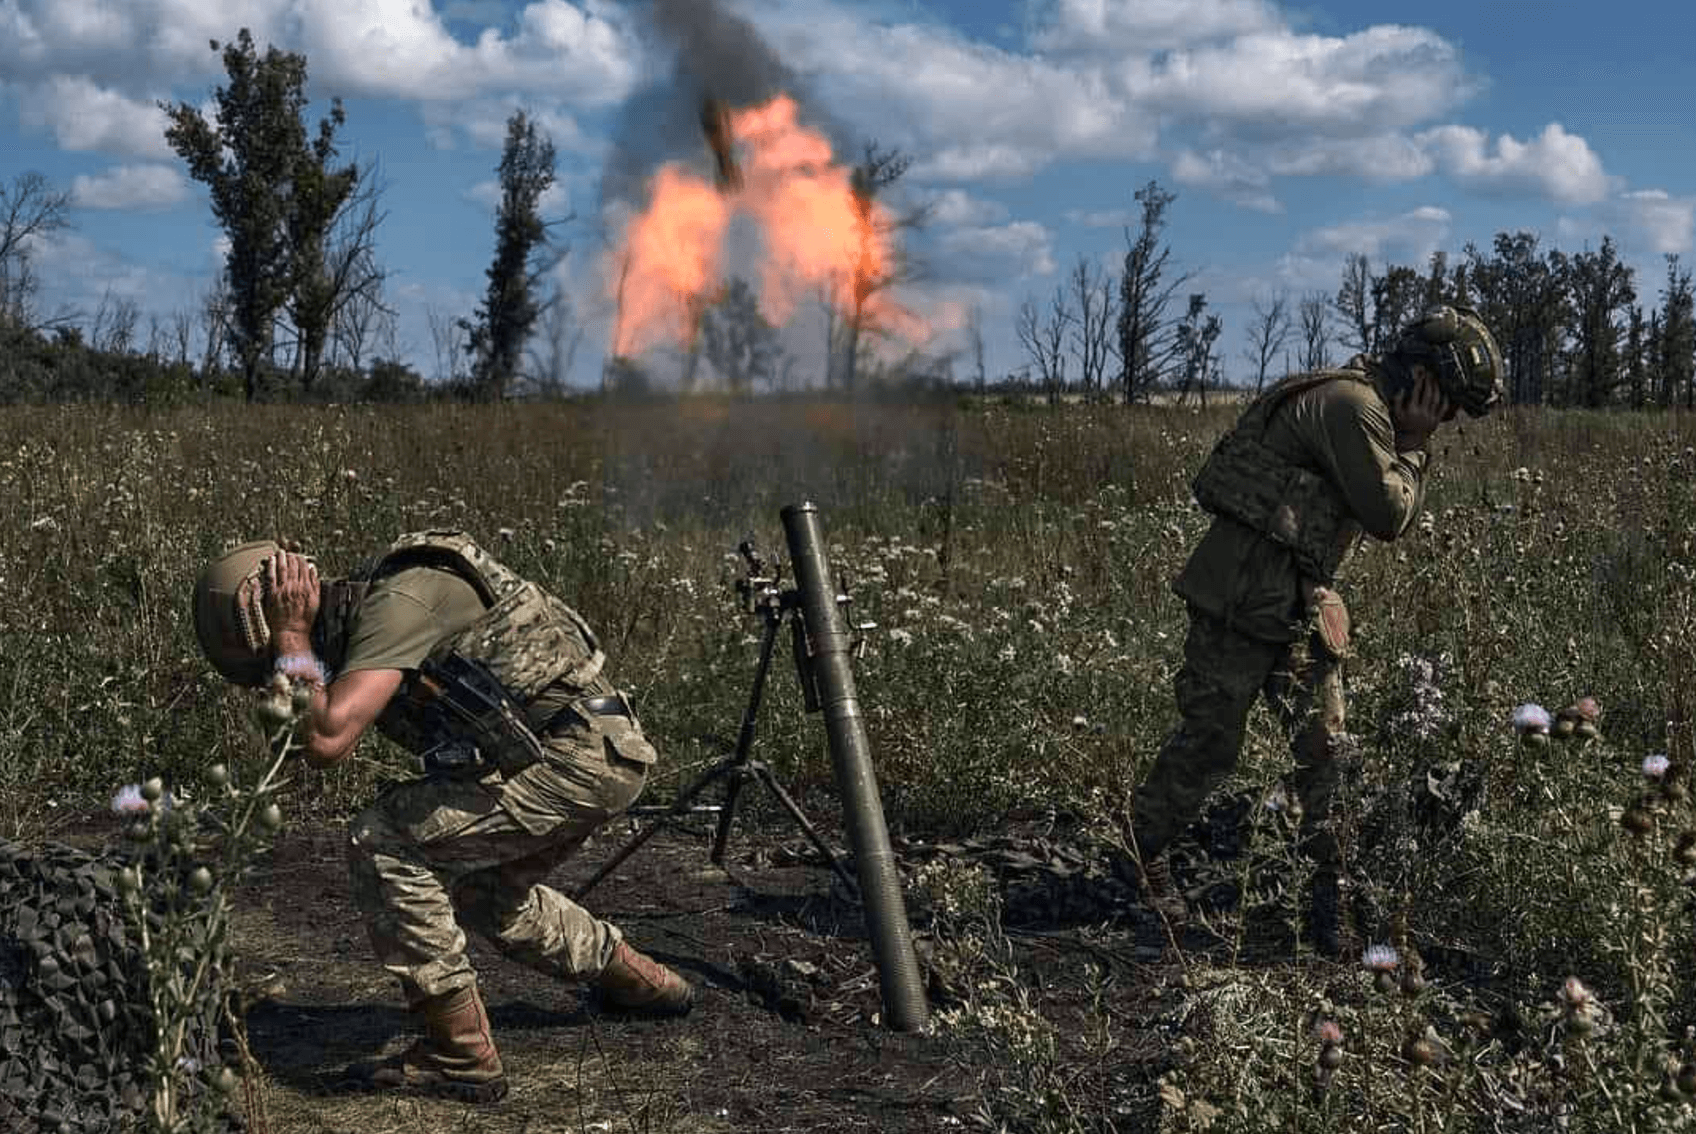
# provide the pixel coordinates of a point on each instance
(821, 231)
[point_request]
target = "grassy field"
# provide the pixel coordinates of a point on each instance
(1016, 563)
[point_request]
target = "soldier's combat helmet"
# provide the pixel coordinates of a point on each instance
(1461, 351)
(233, 633)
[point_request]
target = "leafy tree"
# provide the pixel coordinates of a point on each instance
(1601, 288)
(1197, 333)
(1677, 341)
(1147, 340)
(1397, 296)
(509, 310)
(1520, 295)
(274, 193)
(741, 345)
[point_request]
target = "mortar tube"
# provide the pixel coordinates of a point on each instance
(904, 1006)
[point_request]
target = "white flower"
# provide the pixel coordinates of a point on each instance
(901, 636)
(1655, 766)
(1007, 653)
(1574, 992)
(1531, 717)
(1380, 958)
(128, 801)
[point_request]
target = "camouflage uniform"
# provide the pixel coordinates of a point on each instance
(1251, 597)
(432, 855)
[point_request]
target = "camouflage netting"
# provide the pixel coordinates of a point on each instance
(75, 1022)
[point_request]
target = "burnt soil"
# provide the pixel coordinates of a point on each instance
(786, 1032)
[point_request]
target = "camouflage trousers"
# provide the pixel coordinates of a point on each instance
(435, 856)
(1222, 674)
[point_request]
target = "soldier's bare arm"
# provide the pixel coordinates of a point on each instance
(341, 714)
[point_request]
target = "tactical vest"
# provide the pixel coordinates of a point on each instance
(1245, 480)
(526, 640)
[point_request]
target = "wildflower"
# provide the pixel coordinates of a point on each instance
(188, 1064)
(901, 637)
(1380, 958)
(1655, 765)
(505, 534)
(1329, 1032)
(1587, 709)
(129, 800)
(1531, 718)
(350, 475)
(1080, 723)
(1574, 992)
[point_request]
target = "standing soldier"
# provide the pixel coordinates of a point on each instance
(526, 746)
(1312, 462)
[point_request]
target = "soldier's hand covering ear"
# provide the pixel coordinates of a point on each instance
(1419, 409)
(291, 592)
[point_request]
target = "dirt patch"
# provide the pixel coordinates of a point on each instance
(785, 1035)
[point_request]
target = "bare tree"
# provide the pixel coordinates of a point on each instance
(1092, 297)
(113, 328)
(1315, 331)
(1147, 341)
(445, 338)
(878, 265)
(215, 318)
(1354, 300)
(974, 343)
(353, 280)
(1267, 335)
(182, 333)
(30, 208)
(561, 335)
(1045, 341)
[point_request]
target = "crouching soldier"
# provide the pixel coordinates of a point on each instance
(527, 748)
(1311, 463)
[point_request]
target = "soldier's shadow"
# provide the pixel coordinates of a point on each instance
(309, 1046)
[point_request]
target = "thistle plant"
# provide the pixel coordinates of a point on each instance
(177, 895)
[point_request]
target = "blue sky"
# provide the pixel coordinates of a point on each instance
(1292, 134)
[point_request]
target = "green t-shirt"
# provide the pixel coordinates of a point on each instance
(405, 615)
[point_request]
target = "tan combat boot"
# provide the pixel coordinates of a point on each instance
(634, 982)
(456, 1057)
(1161, 895)
(1152, 882)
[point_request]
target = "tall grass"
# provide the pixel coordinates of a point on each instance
(1016, 562)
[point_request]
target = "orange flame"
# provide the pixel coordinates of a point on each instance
(819, 235)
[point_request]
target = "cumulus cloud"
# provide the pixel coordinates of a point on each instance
(1103, 218)
(1661, 221)
(1278, 84)
(1380, 158)
(958, 207)
(135, 187)
(969, 110)
(1555, 164)
(1315, 260)
(588, 52)
(994, 253)
(1151, 25)
(1228, 176)
(83, 115)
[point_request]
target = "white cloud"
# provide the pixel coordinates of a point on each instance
(1148, 25)
(483, 123)
(137, 187)
(1661, 221)
(587, 52)
(957, 207)
(84, 115)
(1277, 83)
(1555, 164)
(1378, 158)
(969, 110)
(1316, 259)
(1103, 218)
(1227, 175)
(988, 254)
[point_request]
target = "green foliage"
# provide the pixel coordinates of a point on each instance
(272, 191)
(509, 310)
